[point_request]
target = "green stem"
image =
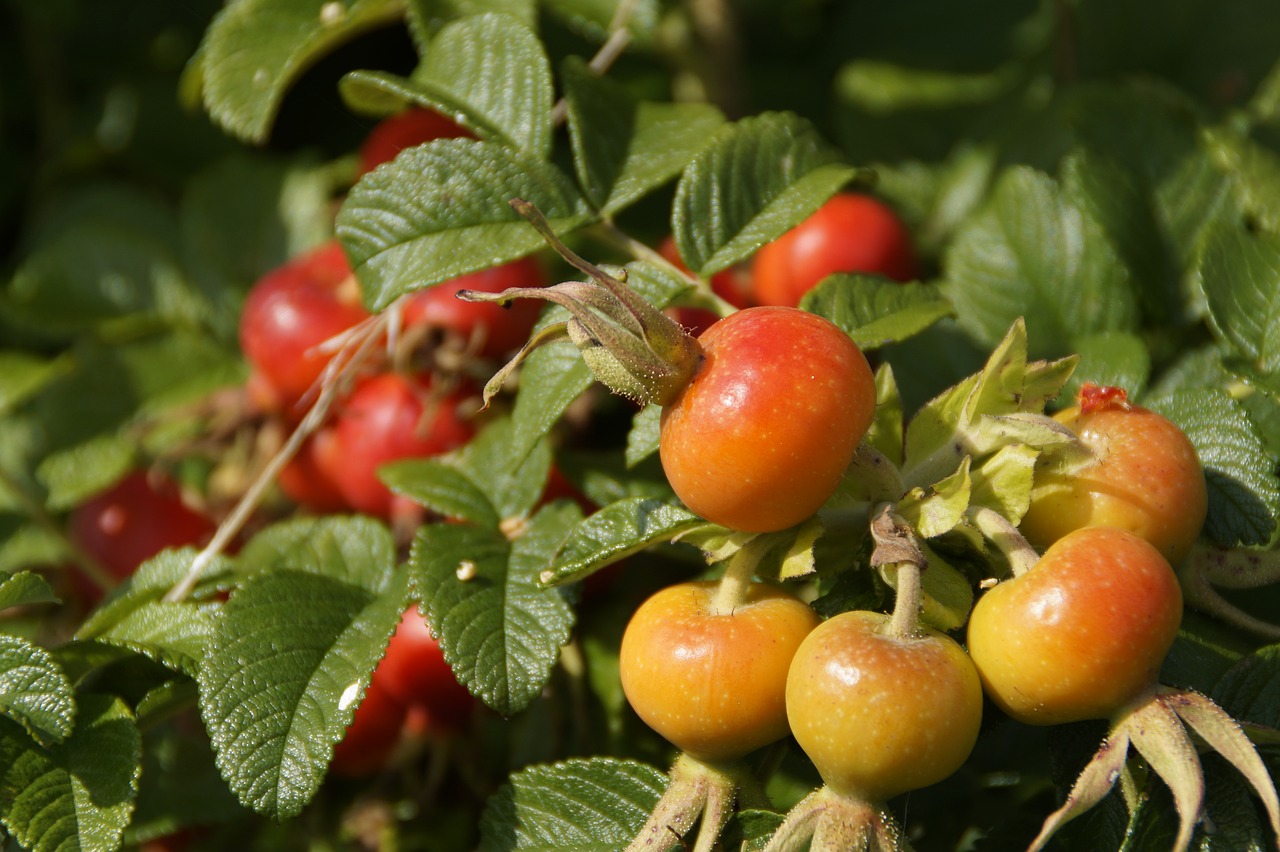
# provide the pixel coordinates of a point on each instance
(735, 585)
(1005, 536)
(905, 621)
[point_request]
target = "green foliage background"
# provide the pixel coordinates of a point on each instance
(1109, 173)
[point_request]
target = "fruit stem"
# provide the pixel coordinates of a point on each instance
(617, 42)
(738, 576)
(640, 251)
(905, 621)
(1006, 537)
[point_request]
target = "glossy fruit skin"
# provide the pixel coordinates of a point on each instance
(852, 232)
(762, 434)
(389, 417)
(291, 311)
(1145, 477)
(879, 714)
(713, 685)
(499, 330)
(405, 130)
(1082, 633)
(134, 520)
(414, 673)
(372, 735)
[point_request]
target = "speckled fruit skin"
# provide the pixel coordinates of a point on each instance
(762, 434)
(1082, 633)
(879, 714)
(713, 685)
(1145, 478)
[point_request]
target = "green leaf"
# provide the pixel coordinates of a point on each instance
(595, 805)
(176, 635)
(291, 658)
(1250, 690)
(996, 407)
(887, 430)
(440, 210)
(441, 487)
(488, 72)
(28, 545)
(34, 690)
(941, 507)
(1003, 482)
(1241, 272)
(77, 473)
(597, 19)
(758, 178)
(1112, 359)
(1032, 253)
(644, 435)
(356, 550)
(1244, 493)
(255, 49)
(875, 311)
(615, 532)
(499, 630)
(104, 253)
(22, 375)
(622, 148)
(78, 794)
(25, 588)
(426, 17)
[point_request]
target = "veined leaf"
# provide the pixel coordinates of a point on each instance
(78, 794)
(645, 434)
(875, 311)
(1241, 273)
(1244, 493)
(499, 629)
(936, 511)
(34, 690)
(615, 532)
(488, 72)
(441, 210)
(622, 148)
(595, 805)
(255, 49)
(1033, 254)
(356, 550)
(25, 588)
(291, 658)
(757, 179)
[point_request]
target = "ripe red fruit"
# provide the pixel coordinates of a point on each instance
(372, 735)
(763, 432)
(308, 478)
(405, 130)
(1082, 633)
(497, 329)
(134, 520)
(414, 672)
(387, 418)
(290, 311)
(850, 233)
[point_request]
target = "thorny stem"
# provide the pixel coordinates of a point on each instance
(37, 513)
(356, 346)
(1005, 536)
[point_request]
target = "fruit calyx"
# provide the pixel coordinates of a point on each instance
(702, 793)
(1092, 397)
(628, 344)
(1156, 724)
(836, 823)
